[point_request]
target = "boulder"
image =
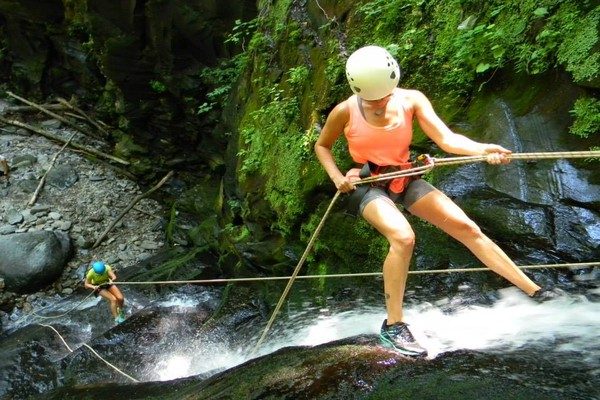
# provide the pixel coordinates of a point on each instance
(32, 260)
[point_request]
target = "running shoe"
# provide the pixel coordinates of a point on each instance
(120, 316)
(398, 337)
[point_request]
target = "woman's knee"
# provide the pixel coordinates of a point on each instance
(112, 300)
(402, 240)
(466, 230)
(117, 294)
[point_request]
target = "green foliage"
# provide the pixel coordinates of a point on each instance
(449, 48)
(241, 32)
(587, 117)
(237, 234)
(274, 146)
(158, 86)
(169, 231)
(219, 80)
(580, 49)
(168, 268)
(298, 76)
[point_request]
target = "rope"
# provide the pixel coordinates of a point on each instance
(296, 270)
(521, 156)
(93, 352)
(110, 365)
(356, 274)
(59, 335)
(478, 158)
(35, 313)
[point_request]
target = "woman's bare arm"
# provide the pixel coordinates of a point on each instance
(333, 128)
(449, 141)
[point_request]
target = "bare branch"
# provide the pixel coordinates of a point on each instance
(61, 140)
(43, 180)
(52, 114)
(84, 115)
(130, 206)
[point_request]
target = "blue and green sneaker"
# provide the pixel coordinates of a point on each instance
(398, 337)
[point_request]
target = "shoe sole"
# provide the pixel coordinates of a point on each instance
(389, 344)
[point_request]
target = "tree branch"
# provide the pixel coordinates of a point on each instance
(84, 115)
(43, 180)
(130, 206)
(61, 140)
(52, 114)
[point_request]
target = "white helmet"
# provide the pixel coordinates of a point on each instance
(372, 72)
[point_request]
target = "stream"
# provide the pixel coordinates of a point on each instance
(166, 337)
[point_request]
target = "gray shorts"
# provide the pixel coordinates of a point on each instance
(413, 192)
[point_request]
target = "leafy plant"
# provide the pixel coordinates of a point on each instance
(586, 111)
(220, 80)
(579, 49)
(241, 32)
(298, 75)
(158, 86)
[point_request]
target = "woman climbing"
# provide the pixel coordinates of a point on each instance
(377, 122)
(100, 279)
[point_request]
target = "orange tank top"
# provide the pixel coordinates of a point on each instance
(386, 145)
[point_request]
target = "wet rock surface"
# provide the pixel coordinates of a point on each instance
(358, 368)
(49, 349)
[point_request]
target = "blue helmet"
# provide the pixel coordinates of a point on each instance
(99, 267)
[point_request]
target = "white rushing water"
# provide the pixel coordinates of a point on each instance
(568, 324)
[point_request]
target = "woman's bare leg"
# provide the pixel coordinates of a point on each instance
(384, 216)
(112, 301)
(115, 291)
(439, 210)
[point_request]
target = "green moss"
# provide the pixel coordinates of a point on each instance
(334, 253)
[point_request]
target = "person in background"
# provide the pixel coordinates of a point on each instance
(4, 169)
(377, 122)
(100, 279)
